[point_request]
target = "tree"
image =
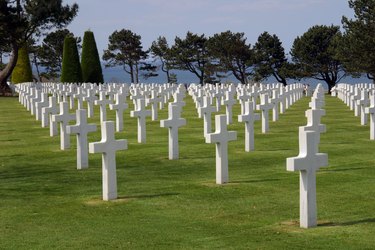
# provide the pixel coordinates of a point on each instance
(231, 53)
(161, 50)
(315, 54)
(22, 71)
(22, 19)
(50, 52)
(357, 46)
(271, 59)
(71, 67)
(125, 49)
(90, 62)
(191, 54)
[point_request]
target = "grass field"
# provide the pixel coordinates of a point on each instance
(46, 203)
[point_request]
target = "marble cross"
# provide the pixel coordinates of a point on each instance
(371, 110)
(221, 137)
(102, 102)
(229, 102)
(64, 118)
(141, 113)
(363, 102)
(47, 113)
(173, 122)
(249, 117)
(264, 106)
(206, 110)
(81, 129)
(108, 147)
(90, 98)
(307, 162)
(120, 106)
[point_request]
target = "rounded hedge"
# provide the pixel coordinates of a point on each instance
(90, 62)
(71, 67)
(22, 71)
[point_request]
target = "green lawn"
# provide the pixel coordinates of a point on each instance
(46, 203)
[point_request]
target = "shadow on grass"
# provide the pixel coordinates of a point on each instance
(145, 196)
(348, 223)
(255, 181)
(341, 169)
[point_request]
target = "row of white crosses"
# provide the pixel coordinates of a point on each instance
(309, 159)
(361, 99)
(55, 112)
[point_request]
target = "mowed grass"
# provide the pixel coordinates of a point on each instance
(45, 202)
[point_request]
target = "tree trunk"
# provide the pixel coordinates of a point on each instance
(7, 71)
(136, 73)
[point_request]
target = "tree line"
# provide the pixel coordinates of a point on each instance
(322, 52)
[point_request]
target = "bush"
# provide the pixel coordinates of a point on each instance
(22, 71)
(71, 68)
(90, 62)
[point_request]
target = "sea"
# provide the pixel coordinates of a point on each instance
(118, 75)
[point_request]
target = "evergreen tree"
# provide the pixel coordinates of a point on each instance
(90, 62)
(71, 68)
(22, 71)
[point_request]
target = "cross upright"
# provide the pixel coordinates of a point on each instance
(249, 117)
(141, 113)
(371, 111)
(79, 95)
(154, 100)
(81, 129)
(307, 162)
(229, 102)
(173, 122)
(47, 113)
(275, 100)
(313, 123)
(120, 106)
(363, 103)
(64, 118)
(206, 110)
(264, 107)
(39, 105)
(243, 97)
(108, 147)
(90, 98)
(221, 137)
(102, 102)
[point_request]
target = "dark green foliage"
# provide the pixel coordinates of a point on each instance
(315, 54)
(191, 54)
(22, 71)
(161, 50)
(22, 19)
(90, 62)
(125, 49)
(50, 53)
(271, 59)
(357, 48)
(71, 68)
(230, 52)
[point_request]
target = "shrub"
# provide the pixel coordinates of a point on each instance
(71, 68)
(90, 62)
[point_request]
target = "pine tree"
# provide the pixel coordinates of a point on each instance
(22, 71)
(90, 62)
(71, 68)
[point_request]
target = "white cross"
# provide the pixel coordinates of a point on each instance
(39, 105)
(249, 117)
(47, 113)
(64, 118)
(108, 147)
(154, 100)
(103, 101)
(229, 102)
(363, 102)
(90, 99)
(264, 106)
(275, 100)
(173, 122)
(80, 95)
(221, 137)
(120, 106)
(81, 129)
(371, 110)
(307, 162)
(141, 113)
(206, 110)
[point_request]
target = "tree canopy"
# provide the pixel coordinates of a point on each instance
(315, 54)
(22, 71)
(71, 68)
(231, 53)
(22, 19)
(357, 47)
(90, 61)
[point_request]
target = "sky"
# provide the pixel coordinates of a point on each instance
(170, 18)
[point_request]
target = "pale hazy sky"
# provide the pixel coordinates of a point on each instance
(152, 18)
